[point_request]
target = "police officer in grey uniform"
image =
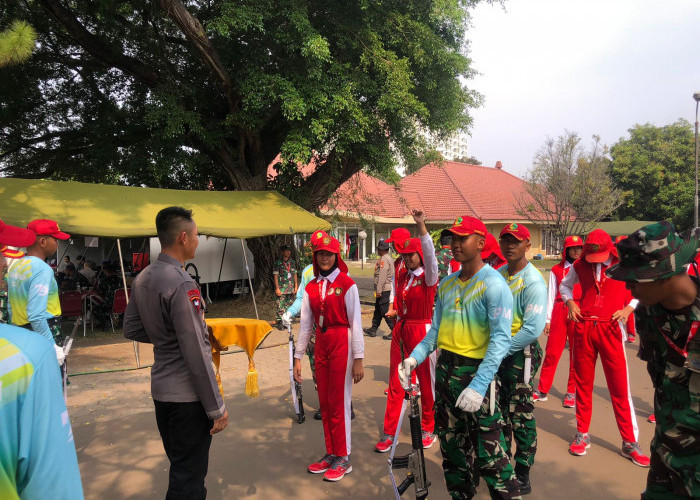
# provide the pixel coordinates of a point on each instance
(166, 310)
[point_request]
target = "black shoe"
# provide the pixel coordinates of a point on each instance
(387, 337)
(524, 483)
(317, 415)
(369, 332)
(352, 414)
(280, 326)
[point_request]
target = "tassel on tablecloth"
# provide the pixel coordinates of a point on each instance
(251, 380)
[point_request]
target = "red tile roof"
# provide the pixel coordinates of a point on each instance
(442, 192)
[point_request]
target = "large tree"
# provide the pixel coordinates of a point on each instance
(654, 169)
(207, 93)
(568, 187)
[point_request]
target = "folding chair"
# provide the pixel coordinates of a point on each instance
(72, 307)
(118, 306)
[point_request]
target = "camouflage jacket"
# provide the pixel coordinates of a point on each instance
(285, 272)
(664, 344)
(444, 257)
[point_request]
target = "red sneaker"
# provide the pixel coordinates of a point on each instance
(569, 400)
(428, 439)
(322, 465)
(539, 396)
(652, 418)
(581, 443)
(338, 470)
(630, 338)
(384, 444)
(634, 452)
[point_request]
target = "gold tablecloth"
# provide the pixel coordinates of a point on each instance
(245, 333)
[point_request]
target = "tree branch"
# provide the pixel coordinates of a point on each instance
(108, 54)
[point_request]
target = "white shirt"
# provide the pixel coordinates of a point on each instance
(552, 291)
(567, 284)
(352, 307)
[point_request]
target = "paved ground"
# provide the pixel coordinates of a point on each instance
(263, 453)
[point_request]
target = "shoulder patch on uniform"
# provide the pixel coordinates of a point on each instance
(193, 293)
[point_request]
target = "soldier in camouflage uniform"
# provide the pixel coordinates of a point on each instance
(284, 274)
(444, 255)
(516, 373)
(652, 263)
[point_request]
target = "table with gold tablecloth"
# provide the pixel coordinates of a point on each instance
(245, 333)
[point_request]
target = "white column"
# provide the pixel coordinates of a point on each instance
(374, 243)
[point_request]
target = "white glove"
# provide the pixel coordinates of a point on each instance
(60, 356)
(286, 319)
(405, 369)
(469, 400)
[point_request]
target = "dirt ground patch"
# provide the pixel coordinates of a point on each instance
(263, 453)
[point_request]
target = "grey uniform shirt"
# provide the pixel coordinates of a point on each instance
(383, 274)
(165, 309)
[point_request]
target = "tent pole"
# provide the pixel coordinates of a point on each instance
(126, 294)
(221, 267)
(250, 281)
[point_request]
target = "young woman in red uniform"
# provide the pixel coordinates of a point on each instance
(597, 333)
(559, 328)
(414, 297)
(332, 304)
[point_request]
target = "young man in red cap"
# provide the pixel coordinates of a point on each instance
(559, 328)
(331, 306)
(597, 332)
(11, 236)
(517, 369)
(471, 327)
(414, 299)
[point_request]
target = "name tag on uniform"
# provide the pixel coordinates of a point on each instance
(599, 301)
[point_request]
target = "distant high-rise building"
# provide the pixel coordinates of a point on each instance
(453, 147)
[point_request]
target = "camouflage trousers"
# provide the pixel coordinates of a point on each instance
(466, 438)
(515, 399)
(284, 302)
(310, 349)
(675, 448)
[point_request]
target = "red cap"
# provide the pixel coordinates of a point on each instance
(491, 246)
(47, 227)
(398, 236)
(620, 238)
(320, 240)
(598, 246)
(411, 245)
(465, 225)
(518, 231)
(572, 241)
(11, 253)
(15, 236)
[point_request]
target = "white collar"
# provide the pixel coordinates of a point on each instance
(416, 272)
(331, 277)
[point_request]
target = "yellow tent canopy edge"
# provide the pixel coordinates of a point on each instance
(126, 211)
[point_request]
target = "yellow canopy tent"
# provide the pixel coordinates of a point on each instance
(126, 212)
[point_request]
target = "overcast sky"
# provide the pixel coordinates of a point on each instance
(589, 66)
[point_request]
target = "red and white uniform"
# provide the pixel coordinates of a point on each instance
(560, 329)
(597, 334)
(413, 301)
(339, 342)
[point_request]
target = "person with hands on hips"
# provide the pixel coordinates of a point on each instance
(597, 332)
(413, 301)
(472, 328)
(331, 306)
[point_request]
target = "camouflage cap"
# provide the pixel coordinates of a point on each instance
(654, 252)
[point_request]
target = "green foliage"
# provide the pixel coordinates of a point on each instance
(654, 169)
(16, 43)
(345, 83)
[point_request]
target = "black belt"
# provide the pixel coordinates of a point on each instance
(452, 358)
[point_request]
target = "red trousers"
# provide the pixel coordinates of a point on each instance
(334, 381)
(560, 329)
(591, 338)
(409, 333)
